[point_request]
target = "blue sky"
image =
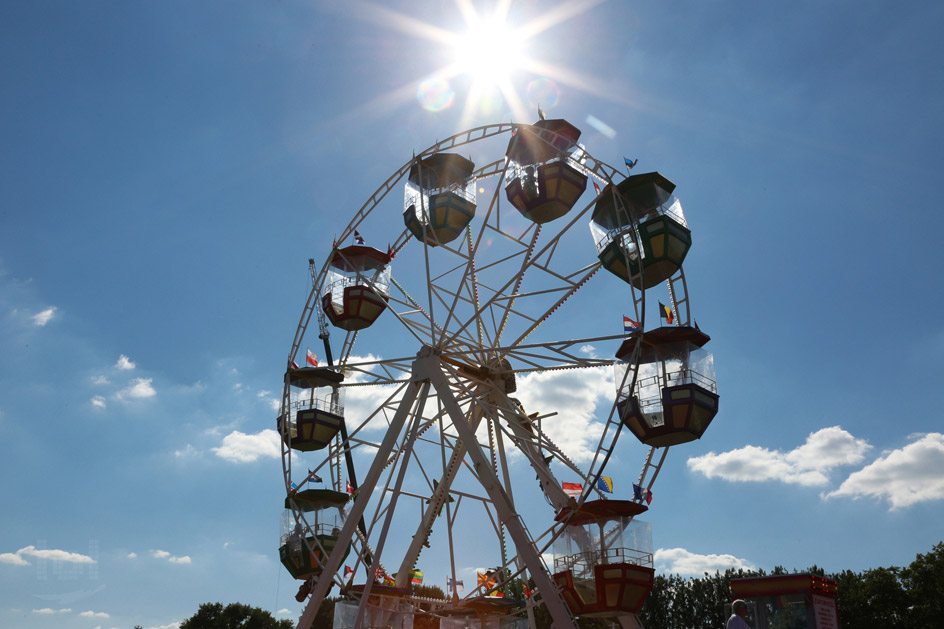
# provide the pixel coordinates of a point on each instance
(169, 167)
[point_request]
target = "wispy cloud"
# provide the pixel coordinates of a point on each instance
(239, 447)
(91, 614)
(98, 401)
(124, 363)
(807, 464)
(683, 562)
(902, 477)
(163, 554)
(44, 317)
(50, 610)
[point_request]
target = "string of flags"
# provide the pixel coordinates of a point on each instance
(642, 494)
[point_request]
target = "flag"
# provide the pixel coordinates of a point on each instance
(389, 581)
(642, 494)
(527, 591)
(629, 325)
(605, 484)
(456, 585)
(350, 488)
(696, 325)
(311, 359)
(572, 489)
(292, 364)
(314, 478)
(596, 187)
(496, 594)
(416, 577)
(629, 163)
(665, 313)
(391, 252)
(348, 572)
(540, 113)
(294, 485)
(486, 579)
(358, 239)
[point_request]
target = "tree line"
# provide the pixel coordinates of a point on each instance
(909, 597)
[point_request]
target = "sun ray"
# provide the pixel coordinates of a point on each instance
(379, 14)
(555, 16)
(609, 90)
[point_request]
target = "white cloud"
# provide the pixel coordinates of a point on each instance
(807, 465)
(49, 610)
(132, 555)
(44, 317)
(124, 363)
(903, 477)
(574, 395)
(91, 614)
(173, 625)
(140, 388)
(286, 612)
(54, 555)
(683, 562)
(13, 559)
(238, 447)
(98, 401)
(163, 554)
(100, 380)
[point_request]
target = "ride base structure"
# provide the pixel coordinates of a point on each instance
(427, 455)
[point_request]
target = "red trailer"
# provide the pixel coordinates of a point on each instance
(790, 601)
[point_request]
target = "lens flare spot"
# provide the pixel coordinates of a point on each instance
(435, 94)
(543, 92)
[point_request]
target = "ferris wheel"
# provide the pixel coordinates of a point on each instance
(433, 454)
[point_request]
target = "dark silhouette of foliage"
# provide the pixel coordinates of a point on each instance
(233, 616)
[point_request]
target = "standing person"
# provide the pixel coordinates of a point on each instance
(738, 612)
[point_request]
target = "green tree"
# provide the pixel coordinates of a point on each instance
(924, 580)
(233, 616)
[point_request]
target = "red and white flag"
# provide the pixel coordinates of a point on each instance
(572, 489)
(311, 359)
(350, 488)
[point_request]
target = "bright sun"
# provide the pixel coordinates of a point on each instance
(489, 52)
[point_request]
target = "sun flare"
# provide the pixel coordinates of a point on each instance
(489, 52)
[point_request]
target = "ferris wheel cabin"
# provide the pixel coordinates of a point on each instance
(603, 558)
(355, 290)
(324, 509)
(439, 199)
(318, 416)
(641, 206)
(544, 181)
(676, 396)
